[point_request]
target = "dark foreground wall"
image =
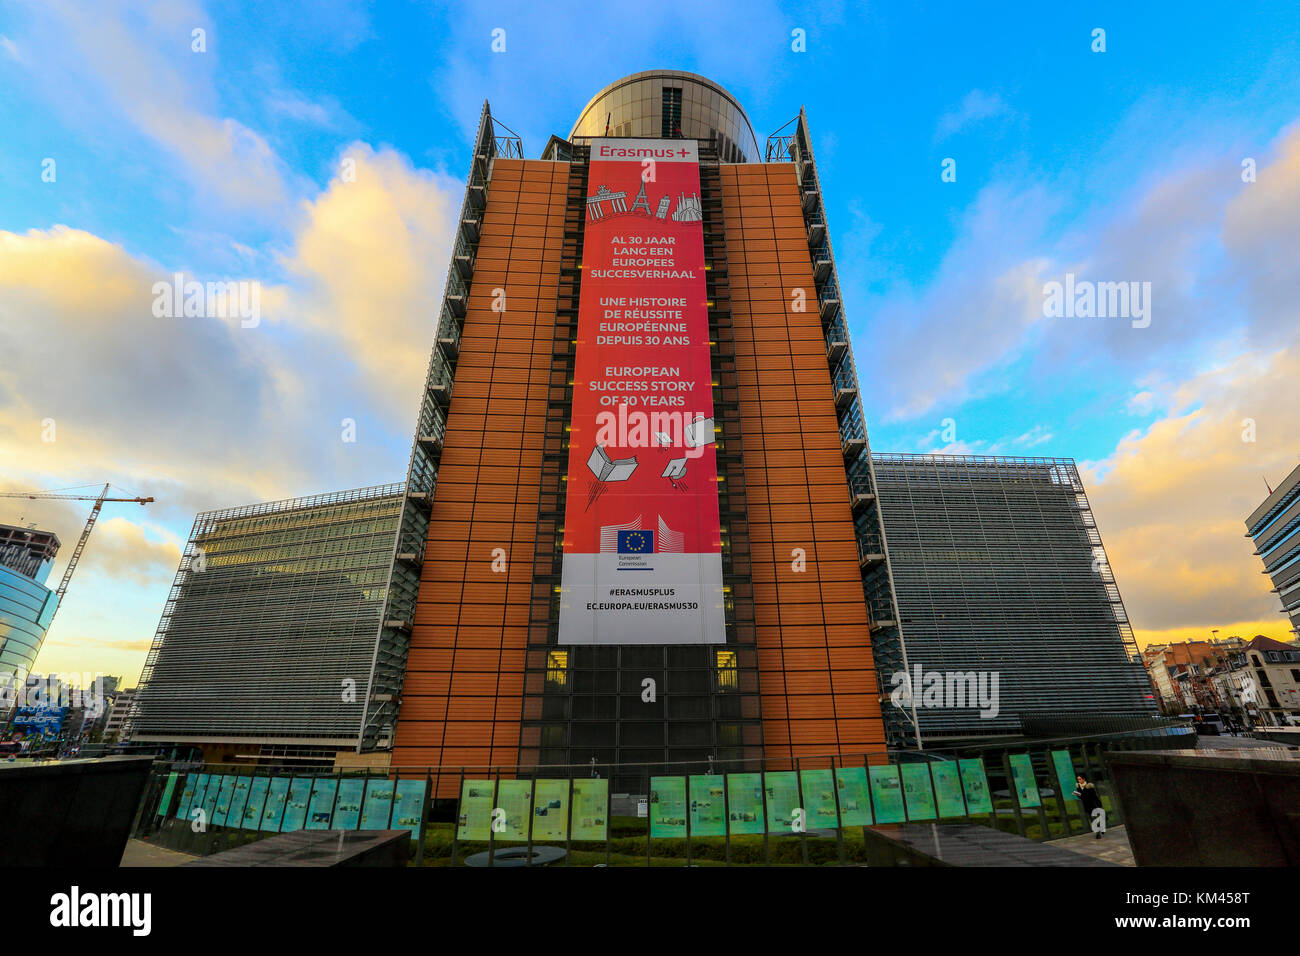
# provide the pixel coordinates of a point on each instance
(69, 812)
(1199, 808)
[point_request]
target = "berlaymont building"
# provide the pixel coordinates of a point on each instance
(642, 524)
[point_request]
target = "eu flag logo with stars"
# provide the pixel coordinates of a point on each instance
(636, 542)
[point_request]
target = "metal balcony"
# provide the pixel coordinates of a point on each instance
(830, 308)
(821, 266)
(432, 445)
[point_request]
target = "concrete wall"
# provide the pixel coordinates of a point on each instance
(69, 812)
(1193, 808)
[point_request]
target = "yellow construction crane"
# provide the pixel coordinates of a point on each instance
(85, 533)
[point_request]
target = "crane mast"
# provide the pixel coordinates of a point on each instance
(85, 532)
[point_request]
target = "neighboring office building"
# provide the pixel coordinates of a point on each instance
(1276, 669)
(781, 661)
(26, 604)
(280, 616)
(116, 724)
(999, 567)
(1275, 528)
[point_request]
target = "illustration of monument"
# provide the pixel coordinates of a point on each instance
(688, 209)
(617, 202)
(641, 202)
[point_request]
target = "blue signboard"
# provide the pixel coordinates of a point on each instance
(320, 814)
(295, 806)
(238, 799)
(347, 810)
(192, 795)
(408, 807)
(378, 806)
(256, 801)
(47, 721)
(215, 783)
(224, 792)
(276, 794)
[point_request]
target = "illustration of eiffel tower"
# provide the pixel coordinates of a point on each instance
(641, 202)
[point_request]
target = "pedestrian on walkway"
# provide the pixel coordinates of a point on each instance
(1091, 801)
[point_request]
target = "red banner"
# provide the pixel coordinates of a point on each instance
(642, 552)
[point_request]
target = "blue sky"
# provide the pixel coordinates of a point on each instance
(1118, 165)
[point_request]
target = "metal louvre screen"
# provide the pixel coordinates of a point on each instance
(999, 567)
(274, 607)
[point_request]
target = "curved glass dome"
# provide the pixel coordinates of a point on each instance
(668, 104)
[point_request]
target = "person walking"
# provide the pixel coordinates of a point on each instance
(1091, 801)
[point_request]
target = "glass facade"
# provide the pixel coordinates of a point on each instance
(26, 605)
(671, 104)
(1275, 529)
(272, 628)
(25, 611)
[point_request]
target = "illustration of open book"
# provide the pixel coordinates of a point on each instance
(607, 469)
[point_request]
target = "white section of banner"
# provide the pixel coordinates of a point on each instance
(608, 148)
(691, 613)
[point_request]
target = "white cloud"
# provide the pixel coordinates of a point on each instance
(975, 107)
(134, 62)
(1172, 500)
(199, 412)
(367, 271)
(1220, 256)
(984, 301)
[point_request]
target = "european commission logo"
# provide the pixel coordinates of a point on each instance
(636, 542)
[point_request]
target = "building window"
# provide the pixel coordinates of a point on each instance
(672, 113)
(728, 671)
(557, 668)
